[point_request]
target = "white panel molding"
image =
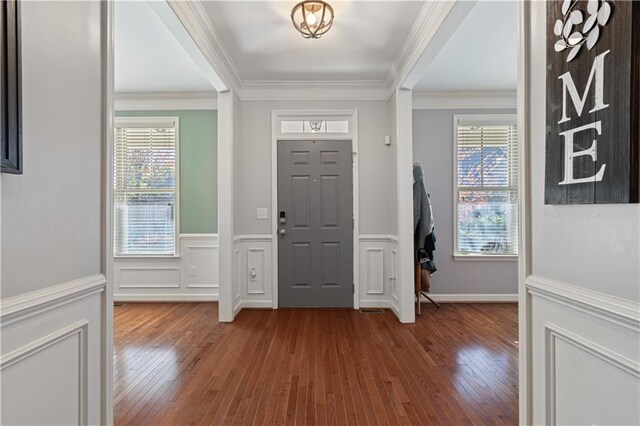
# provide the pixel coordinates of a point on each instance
(24, 352)
(472, 298)
(120, 271)
(613, 309)
(23, 306)
(253, 254)
(377, 263)
(255, 265)
(253, 238)
(382, 238)
(163, 101)
(552, 334)
(79, 330)
(35, 323)
(465, 100)
(166, 297)
(375, 270)
(213, 237)
(177, 284)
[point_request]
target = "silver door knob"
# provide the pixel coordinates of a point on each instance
(283, 231)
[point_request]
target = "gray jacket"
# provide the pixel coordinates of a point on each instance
(422, 213)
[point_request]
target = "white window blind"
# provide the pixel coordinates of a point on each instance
(145, 170)
(486, 185)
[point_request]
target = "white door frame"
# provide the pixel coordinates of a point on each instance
(524, 250)
(108, 95)
(277, 117)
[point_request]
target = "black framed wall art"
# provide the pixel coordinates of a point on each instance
(593, 102)
(10, 87)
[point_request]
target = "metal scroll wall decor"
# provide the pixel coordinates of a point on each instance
(593, 102)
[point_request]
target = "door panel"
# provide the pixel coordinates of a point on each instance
(315, 194)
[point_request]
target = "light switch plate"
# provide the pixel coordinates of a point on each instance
(261, 213)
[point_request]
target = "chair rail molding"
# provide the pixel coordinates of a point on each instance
(26, 305)
(60, 326)
(620, 311)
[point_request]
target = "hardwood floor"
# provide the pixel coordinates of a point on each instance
(175, 364)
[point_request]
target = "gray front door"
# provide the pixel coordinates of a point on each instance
(315, 224)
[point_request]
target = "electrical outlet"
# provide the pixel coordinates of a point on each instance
(261, 213)
(193, 271)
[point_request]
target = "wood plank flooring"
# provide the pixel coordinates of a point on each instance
(175, 364)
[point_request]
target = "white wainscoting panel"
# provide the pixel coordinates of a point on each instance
(52, 353)
(585, 355)
(191, 276)
(253, 271)
(378, 257)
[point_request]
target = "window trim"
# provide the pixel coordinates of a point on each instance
(481, 119)
(152, 121)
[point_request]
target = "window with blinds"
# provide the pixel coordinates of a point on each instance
(486, 185)
(145, 170)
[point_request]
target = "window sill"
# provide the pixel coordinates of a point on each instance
(485, 257)
(152, 258)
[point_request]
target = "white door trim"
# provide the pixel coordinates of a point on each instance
(277, 116)
(524, 250)
(108, 95)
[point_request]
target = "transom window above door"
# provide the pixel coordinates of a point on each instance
(145, 186)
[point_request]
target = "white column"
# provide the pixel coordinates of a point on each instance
(404, 137)
(225, 204)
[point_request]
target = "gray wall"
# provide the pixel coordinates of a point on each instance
(433, 148)
(377, 174)
(51, 213)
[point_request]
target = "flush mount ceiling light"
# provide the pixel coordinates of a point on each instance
(312, 18)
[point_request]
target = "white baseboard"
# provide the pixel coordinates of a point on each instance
(268, 304)
(472, 298)
(195, 297)
(375, 304)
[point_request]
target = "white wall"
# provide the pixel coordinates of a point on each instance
(51, 213)
(585, 290)
(377, 163)
(433, 148)
(53, 309)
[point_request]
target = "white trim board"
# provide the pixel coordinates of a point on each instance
(277, 116)
(465, 100)
(22, 306)
(170, 297)
(166, 101)
(471, 298)
(620, 311)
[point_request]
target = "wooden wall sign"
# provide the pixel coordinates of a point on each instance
(593, 102)
(10, 102)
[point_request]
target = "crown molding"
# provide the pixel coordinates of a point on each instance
(199, 26)
(162, 101)
(431, 17)
(270, 90)
(465, 100)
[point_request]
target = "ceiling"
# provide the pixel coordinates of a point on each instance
(362, 45)
(148, 58)
(480, 55)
